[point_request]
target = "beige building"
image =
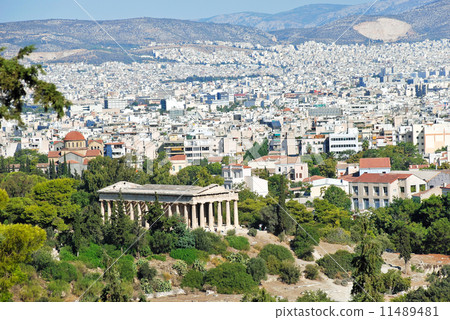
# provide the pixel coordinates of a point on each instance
(198, 206)
(178, 162)
(374, 190)
(429, 137)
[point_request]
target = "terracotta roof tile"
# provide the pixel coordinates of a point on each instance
(374, 163)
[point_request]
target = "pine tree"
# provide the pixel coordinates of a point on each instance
(113, 291)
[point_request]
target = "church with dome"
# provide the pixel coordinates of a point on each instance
(76, 151)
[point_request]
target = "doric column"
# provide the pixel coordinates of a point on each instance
(202, 215)
(219, 216)
(108, 205)
(236, 214)
(211, 216)
(146, 225)
(169, 210)
(132, 205)
(102, 210)
(194, 216)
(186, 215)
(177, 209)
(139, 212)
(227, 211)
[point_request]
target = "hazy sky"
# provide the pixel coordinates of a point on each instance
(17, 10)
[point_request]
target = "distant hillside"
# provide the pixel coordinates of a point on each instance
(61, 35)
(427, 22)
(314, 15)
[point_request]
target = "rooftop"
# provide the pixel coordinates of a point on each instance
(365, 163)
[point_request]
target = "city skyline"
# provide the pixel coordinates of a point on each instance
(110, 10)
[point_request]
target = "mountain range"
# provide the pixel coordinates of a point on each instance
(61, 40)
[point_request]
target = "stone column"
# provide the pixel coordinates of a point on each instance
(236, 214)
(102, 210)
(132, 206)
(211, 216)
(169, 210)
(228, 217)
(146, 225)
(194, 216)
(219, 216)
(202, 215)
(139, 210)
(177, 209)
(108, 205)
(186, 215)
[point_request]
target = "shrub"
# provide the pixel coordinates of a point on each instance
(252, 232)
(304, 241)
(158, 257)
(230, 278)
(289, 272)
(180, 267)
(30, 292)
(238, 242)
(83, 283)
(146, 272)
(332, 264)
(42, 258)
(161, 242)
(161, 285)
(279, 252)
(256, 267)
(126, 267)
(314, 296)
(237, 258)
(311, 272)
(188, 255)
(146, 286)
(394, 282)
(273, 265)
(58, 288)
(92, 256)
(336, 235)
(146, 251)
(202, 240)
(193, 279)
(259, 296)
(199, 266)
(60, 271)
(65, 254)
(231, 232)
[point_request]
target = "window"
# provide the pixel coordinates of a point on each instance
(366, 190)
(423, 187)
(402, 189)
(414, 188)
(376, 203)
(355, 190)
(386, 202)
(366, 203)
(385, 191)
(173, 168)
(376, 191)
(355, 204)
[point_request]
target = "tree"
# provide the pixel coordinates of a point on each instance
(314, 296)
(289, 272)
(304, 241)
(113, 291)
(402, 243)
(328, 213)
(256, 267)
(328, 168)
(15, 79)
(365, 145)
(17, 243)
(338, 197)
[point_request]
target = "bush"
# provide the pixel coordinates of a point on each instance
(256, 267)
(289, 272)
(202, 241)
(146, 251)
(180, 267)
(230, 278)
(60, 271)
(158, 257)
(92, 256)
(58, 289)
(273, 265)
(83, 283)
(66, 254)
(311, 272)
(126, 267)
(231, 232)
(146, 286)
(42, 259)
(161, 285)
(188, 255)
(394, 282)
(314, 296)
(161, 242)
(199, 266)
(238, 242)
(304, 241)
(332, 264)
(336, 235)
(252, 232)
(193, 279)
(237, 258)
(279, 252)
(146, 272)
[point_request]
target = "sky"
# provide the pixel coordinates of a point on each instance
(20, 10)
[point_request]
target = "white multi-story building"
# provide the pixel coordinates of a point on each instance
(236, 174)
(340, 142)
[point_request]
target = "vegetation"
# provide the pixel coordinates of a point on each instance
(314, 296)
(238, 242)
(230, 278)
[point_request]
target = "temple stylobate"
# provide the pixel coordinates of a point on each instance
(198, 206)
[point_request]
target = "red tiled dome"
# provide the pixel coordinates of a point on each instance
(74, 136)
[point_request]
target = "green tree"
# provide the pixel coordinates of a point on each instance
(402, 242)
(328, 168)
(314, 296)
(338, 197)
(17, 243)
(113, 290)
(16, 79)
(256, 267)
